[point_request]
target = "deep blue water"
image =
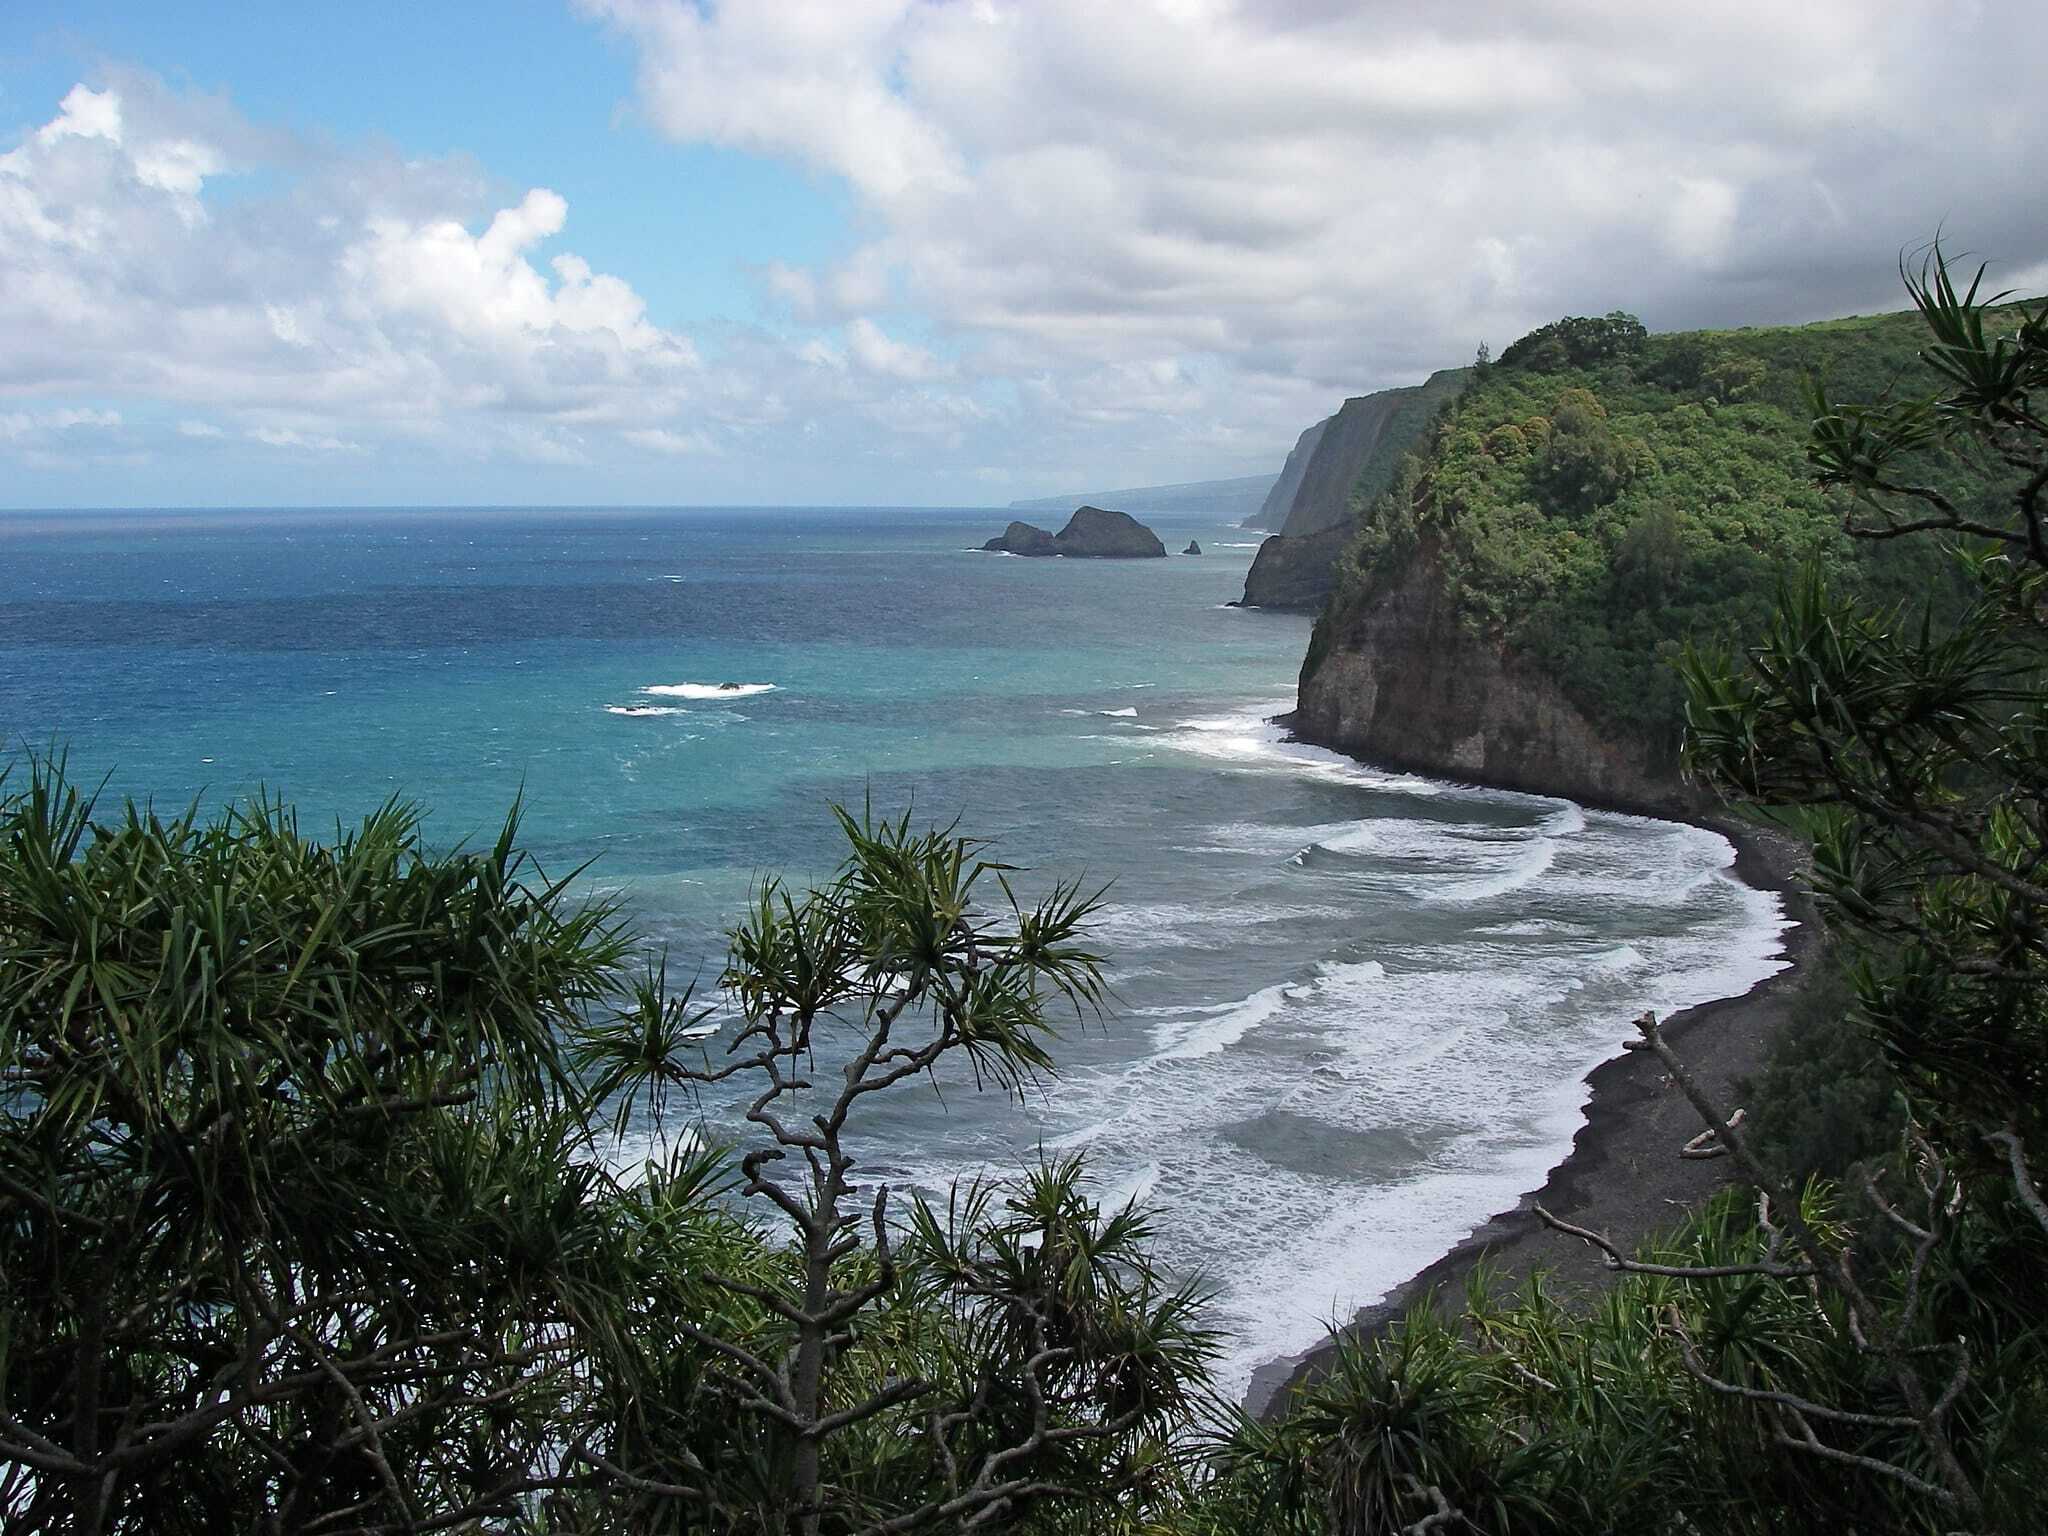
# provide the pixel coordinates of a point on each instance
(1353, 1007)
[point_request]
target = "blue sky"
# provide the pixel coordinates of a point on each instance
(905, 251)
(535, 94)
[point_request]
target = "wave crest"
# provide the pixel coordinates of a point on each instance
(707, 690)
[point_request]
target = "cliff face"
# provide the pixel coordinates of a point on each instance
(1361, 447)
(1348, 459)
(1273, 510)
(1323, 499)
(1295, 573)
(1396, 679)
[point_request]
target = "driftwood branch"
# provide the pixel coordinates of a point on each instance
(1617, 1260)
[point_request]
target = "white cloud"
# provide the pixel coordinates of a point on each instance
(40, 426)
(874, 349)
(1282, 202)
(804, 74)
(674, 444)
(309, 442)
(1142, 241)
(370, 298)
(84, 114)
(177, 165)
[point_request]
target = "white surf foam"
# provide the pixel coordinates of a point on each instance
(1119, 714)
(641, 710)
(707, 690)
(1528, 867)
(1206, 1035)
(1314, 1143)
(1250, 740)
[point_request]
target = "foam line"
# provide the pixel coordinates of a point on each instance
(707, 690)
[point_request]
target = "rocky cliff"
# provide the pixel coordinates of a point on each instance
(1596, 502)
(1350, 458)
(1092, 533)
(1273, 510)
(1359, 449)
(1396, 679)
(1295, 573)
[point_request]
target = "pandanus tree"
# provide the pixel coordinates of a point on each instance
(1003, 1351)
(1915, 754)
(293, 1230)
(309, 1223)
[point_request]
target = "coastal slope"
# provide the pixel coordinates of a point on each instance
(1510, 606)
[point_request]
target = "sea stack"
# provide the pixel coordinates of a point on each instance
(1024, 539)
(1194, 547)
(1092, 533)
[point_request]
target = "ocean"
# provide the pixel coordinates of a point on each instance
(1352, 1008)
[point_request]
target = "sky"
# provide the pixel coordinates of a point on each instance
(910, 252)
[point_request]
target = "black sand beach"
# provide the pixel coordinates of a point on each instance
(1623, 1176)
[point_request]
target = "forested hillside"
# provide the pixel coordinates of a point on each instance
(1600, 498)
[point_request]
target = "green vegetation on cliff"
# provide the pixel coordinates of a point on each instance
(1599, 497)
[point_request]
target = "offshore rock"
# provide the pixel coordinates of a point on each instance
(1024, 539)
(1194, 547)
(1092, 533)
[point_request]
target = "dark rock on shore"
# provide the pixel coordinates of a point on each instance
(1092, 533)
(1194, 547)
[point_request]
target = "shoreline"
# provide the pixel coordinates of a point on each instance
(1622, 1175)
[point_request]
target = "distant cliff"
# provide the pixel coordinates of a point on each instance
(1273, 510)
(1227, 501)
(1295, 573)
(1349, 459)
(1508, 609)
(1357, 451)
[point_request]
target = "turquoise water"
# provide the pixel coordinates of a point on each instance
(1353, 1008)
